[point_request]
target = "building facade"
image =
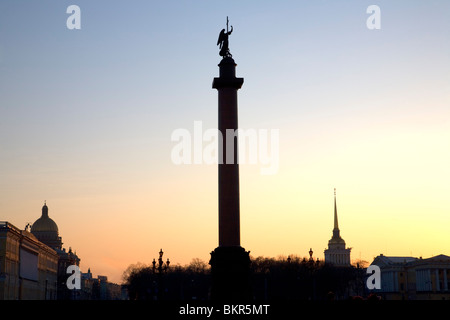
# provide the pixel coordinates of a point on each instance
(100, 288)
(46, 231)
(28, 267)
(33, 266)
(337, 254)
(409, 278)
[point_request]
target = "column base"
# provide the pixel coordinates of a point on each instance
(230, 271)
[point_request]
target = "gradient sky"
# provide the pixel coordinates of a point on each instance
(86, 118)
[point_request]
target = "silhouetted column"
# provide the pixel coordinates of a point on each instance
(230, 263)
(227, 85)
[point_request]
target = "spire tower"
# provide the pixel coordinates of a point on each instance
(336, 232)
(336, 225)
(336, 253)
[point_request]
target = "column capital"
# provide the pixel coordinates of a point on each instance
(227, 75)
(235, 83)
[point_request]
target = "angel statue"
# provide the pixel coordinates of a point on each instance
(222, 42)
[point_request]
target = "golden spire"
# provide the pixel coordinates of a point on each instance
(336, 225)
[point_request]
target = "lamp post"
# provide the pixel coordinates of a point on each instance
(160, 269)
(161, 266)
(312, 272)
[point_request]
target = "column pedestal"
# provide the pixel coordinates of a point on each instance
(230, 271)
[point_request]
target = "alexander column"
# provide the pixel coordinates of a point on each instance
(230, 263)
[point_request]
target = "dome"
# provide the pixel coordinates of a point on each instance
(44, 223)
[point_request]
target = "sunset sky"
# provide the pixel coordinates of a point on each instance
(86, 118)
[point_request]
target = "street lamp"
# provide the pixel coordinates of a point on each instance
(160, 268)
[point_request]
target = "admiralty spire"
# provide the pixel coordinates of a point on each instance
(336, 253)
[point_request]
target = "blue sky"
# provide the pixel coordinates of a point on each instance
(88, 114)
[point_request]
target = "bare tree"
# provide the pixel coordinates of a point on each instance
(198, 266)
(132, 268)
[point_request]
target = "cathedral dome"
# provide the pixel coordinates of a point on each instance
(44, 223)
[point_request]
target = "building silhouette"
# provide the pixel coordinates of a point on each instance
(409, 278)
(33, 266)
(100, 288)
(46, 231)
(28, 267)
(337, 254)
